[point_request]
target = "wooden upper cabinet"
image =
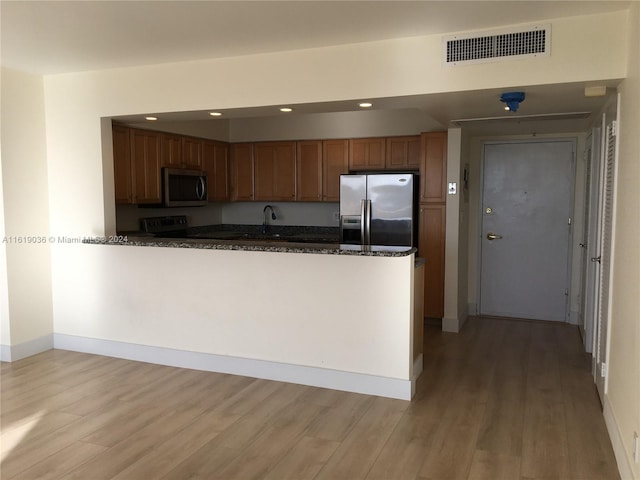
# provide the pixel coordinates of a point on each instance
(335, 162)
(309, 171)
(242, 171)
(122, 165)
(192, 152)
(275, 171)
(367, 153)
(433, 167)
(403, 153)
(171, 150)
(215, 161)
(145, 161)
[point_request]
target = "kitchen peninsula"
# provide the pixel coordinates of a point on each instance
(327, 315)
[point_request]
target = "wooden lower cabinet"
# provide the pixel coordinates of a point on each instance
(215, 161)
(418, 311)
(431, 247)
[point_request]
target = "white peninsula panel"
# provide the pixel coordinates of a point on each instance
(332, 320)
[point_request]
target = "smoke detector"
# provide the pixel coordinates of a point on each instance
(512, 99)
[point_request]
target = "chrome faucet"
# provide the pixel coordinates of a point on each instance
(265, 222)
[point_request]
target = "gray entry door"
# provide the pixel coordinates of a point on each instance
(526, 210)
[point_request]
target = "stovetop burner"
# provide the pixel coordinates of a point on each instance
(173, 224)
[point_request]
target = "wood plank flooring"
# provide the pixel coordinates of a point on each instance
(504, 399)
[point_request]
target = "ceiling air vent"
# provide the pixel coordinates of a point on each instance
(530, 41)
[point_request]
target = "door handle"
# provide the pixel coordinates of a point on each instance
(493, 236)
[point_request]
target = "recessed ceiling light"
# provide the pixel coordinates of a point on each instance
(365, 105)
(151, 119)
(286, 109)
(215, 114)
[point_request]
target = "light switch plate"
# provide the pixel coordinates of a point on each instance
(453, 188)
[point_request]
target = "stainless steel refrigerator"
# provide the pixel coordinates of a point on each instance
(378, 209)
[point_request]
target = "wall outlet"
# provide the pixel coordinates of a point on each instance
(336, 217)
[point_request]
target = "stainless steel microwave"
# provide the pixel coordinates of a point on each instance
(184, 188)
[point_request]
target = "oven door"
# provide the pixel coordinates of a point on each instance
(184, 188)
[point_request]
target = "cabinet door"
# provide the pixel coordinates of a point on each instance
(122, 165)
(433, 167)
(335, 162)
(145, 161)
(403, 152)
(275, 171)
(367, 153)
(215, 161)
(418, 312)
(242, 171)
(192, 152)
(431, 248)
(171, 150)
(309, 171)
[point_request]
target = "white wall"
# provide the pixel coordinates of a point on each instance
(453, 319)
(622, 400)
(282, 308)
(129, 215)
(26, 212)
(366, 123)
(5, 326)
(213, 129)
(319, 214)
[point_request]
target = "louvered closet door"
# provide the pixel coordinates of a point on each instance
(605, 257)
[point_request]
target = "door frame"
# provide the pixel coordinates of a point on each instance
(610, 115)
(572, 210)
(590, 272)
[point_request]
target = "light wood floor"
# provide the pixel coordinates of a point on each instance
(501, 400)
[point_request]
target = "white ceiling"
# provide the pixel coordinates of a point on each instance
(49, 37)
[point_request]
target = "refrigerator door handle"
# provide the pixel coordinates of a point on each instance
(363, 216)
(367, 222)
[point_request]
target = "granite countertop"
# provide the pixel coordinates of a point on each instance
(256, 246)
(314, 240)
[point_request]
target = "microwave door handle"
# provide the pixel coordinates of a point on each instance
(200, 188)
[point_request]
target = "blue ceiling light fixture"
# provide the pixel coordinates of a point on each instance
(512, 99)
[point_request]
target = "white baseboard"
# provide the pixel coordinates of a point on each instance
(574, 317)
(13, 353)
(624, 465)
(450, 325)
(284, 372)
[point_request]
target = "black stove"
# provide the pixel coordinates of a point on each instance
(171, 226)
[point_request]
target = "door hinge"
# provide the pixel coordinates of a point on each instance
(603, 369)
(569, 221)
(566, 292)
